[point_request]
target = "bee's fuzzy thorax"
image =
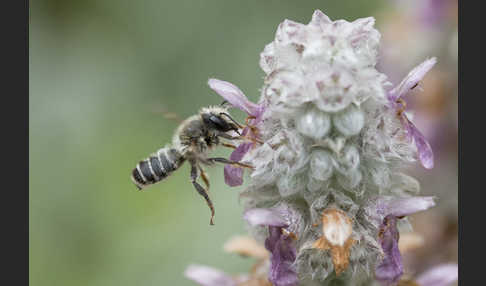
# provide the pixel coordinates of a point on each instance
(213, 109)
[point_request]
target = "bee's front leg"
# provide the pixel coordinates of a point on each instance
(241, 137)
(227, 136)
(230, 162)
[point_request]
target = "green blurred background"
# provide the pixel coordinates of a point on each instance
(101, 74)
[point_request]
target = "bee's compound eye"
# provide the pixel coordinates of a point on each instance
(218, 122)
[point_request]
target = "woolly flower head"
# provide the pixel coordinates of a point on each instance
(330, 64)
(322, 41)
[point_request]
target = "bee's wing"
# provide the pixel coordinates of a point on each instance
(166, 113)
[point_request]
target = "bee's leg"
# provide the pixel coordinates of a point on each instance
(204, 177)
(247, 120)
(226, 161)
(234, 121)
(228, 145)
(201, 190)
(229, 137)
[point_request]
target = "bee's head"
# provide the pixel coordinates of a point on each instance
(219, 119)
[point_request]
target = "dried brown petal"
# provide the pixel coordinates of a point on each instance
(410, 241)
(246, 246)
(337, 229)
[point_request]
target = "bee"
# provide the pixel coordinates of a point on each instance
(192, 141)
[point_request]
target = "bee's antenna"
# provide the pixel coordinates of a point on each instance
(237, 124)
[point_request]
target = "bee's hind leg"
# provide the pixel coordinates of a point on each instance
(204, 176)
(228, 145)
(201, 190)
(230, 162)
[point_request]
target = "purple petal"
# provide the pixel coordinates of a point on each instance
(208, 276)
(426, 156)
(442, 275)
(233, 176)
(274, 235)
(282, 272)
(391, 268)
(387, 205)
(283, 252)
(260, 216)
(408, 206)
(412, 79)
(240, 151)
(235, 96)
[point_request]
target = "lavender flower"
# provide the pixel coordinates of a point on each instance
(235, 96)
(387, 211)
(395, 97)
(233, 175)
(280, 245)
(391, 268)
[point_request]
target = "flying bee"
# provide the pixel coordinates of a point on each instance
(192, 141)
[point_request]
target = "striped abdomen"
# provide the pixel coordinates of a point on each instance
(157, 167)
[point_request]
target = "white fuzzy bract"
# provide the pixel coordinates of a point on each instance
(337, 229)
